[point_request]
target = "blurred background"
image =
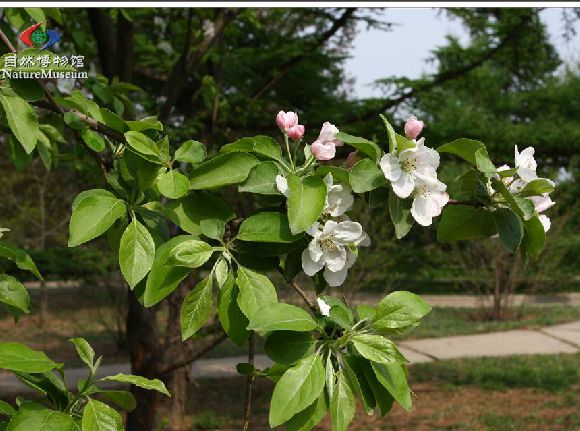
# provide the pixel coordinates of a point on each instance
(504, 76)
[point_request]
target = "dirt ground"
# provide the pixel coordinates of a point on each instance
(436, 407)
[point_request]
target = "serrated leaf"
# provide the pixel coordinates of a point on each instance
(21, 118)
(400, 309)
(98, 416)
(142, 382)
(173, 184)
(84, 350)
(266, 227)
(377, 349)
(306, 201)
(281, 317)
(136, 253)
(20, 358)
(14, 294)
(256, 291)
(196, 308)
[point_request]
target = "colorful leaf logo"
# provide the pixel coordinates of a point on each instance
(34, 36)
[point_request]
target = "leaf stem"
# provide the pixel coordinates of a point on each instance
(288, 151)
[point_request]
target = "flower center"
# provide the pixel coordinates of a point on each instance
(409, 165)
(327, 243)
(423, 191)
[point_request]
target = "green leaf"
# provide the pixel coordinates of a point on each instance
(462, 222)
(98, 416)
(123, 399)
(298, 388)
(142, 382)
(231, 317)
(48, 384)
(400, 210)
(35, 417)
(213, 228)
(36, 14)
(191, 254)
(144, 145)
(222, 272)
(382, 396)
(191, 152)
(18, 357)
(281, 317)
(520, 205)
(366, 312)
(309, 417)
(113, 120)
(136, 253)
(29, 89)
(189, 211)
(366, 176)
(165, 276)
(400, 309)
(342, 404)
(266, 227)
(363, 145)
(464, 148)
(377, 349)
(306, 201)
(509, 227)
(173, 184)
(534, 237)
(262, 179)
(20, 257)
(537, 187)
(353, 370)
(223, 170)
(288, 347)
(391, 134)
(21, 118)
(93, 140)
(394, 379)
(94, 215)
(483, 163)
(339, 174)
(256, 291)
(14, 294)
(85, 351)
(6, 409)
(196, 308)
(263, 145)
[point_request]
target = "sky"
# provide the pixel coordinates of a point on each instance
(403, 51)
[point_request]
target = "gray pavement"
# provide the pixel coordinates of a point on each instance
(550, 340)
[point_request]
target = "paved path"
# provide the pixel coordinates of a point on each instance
(549, 340)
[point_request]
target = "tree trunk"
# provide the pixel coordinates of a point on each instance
(144, 353)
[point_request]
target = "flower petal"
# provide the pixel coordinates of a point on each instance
(347, 232)
(390, 166)
(403, 186)
(423, 210)
(309, 266)
(335, 278)
(546, 222)
(335, 258)
(282, 185)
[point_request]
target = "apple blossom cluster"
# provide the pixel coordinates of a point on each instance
(524, 173)
(335, 237)
(413, 172)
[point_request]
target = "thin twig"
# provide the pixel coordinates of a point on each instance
(175, 366)
(249, 381)
(303, 295)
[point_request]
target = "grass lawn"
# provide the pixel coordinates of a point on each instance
(536, 393)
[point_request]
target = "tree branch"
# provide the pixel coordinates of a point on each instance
(189, 60)
(249, 382)
(217, 339)
(472, 203)
(292, 62)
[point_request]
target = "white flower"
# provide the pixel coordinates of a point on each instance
(282, 185)
(546, 222)
(411, 164)
(525, 164)
(329, 249)
(430, 198)
(2, 230)
(338, 197)
(323, 307)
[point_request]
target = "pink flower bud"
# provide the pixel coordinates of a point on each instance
(285, 120)
(295, 132)
(413, 128)
(351, 160)
(323, 150)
